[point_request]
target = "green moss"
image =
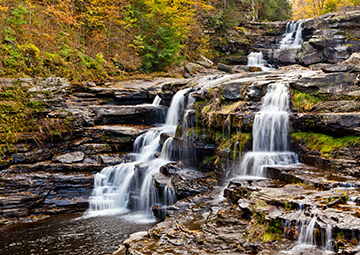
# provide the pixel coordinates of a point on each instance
(325, 143)
(304, 102)
(19, 118)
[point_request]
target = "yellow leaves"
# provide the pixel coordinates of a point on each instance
(304, 9)
(4, 9)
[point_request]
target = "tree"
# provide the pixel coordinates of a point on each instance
(162, 27)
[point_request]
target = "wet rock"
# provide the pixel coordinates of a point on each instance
(189, 183)
(169, 169)
(68, 158)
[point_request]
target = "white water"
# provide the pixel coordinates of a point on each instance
(256, 59)
(117, 187)
(270, 133)
(157, 101)
(293, 35)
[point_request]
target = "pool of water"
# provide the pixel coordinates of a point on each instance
(71, 234)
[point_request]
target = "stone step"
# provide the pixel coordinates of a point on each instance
(316, 177)
(130, 114)
(123, 130)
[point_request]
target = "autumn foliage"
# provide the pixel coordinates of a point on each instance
(95, 39)
(304, 9)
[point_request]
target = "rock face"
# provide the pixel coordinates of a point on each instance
(56, 176)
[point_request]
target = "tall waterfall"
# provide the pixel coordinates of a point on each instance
(270, 133)
(130, 185)
(293, 35)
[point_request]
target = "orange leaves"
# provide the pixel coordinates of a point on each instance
(62, 12)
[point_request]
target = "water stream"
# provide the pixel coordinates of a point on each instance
(270, 133)
(293, 35)
(129, 186)
(256, 59)
(70, 234)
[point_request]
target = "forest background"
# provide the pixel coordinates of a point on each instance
(97, 39)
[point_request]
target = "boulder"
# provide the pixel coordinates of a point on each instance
(193, 68)
(205, 62)
(309, 55)
(282, 56)
(225, 68)
(324, 83)
(233, 91)
(353, 60)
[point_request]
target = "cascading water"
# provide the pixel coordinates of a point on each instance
(256, 59)
(293, 35)
(157, 101)
(270, 133)
(116, 188)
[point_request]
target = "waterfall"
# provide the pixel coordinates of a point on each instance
(256, 59)
(307, 232)
(293, 35)
(117, 189)
(270, 133)
(328, 245)
(157, 101)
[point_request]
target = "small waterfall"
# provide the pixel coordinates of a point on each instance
(328, 245)
(307, 232)
(188, 155)
(130, 185)
(293, 35)
(166, 149)
(157, 101)
(270, 133)
(256, 59)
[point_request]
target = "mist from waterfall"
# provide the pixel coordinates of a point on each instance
(130, 184)
(270, 133)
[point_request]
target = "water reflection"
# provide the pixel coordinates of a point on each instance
(70, 234)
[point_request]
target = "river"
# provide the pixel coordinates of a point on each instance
(71, 234)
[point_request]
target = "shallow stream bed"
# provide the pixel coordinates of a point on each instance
(71, 234)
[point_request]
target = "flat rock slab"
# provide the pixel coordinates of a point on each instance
(68, 158)
(333, 123)
(130, 114)
(119, 130)
(324, 83)
(312, 176)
